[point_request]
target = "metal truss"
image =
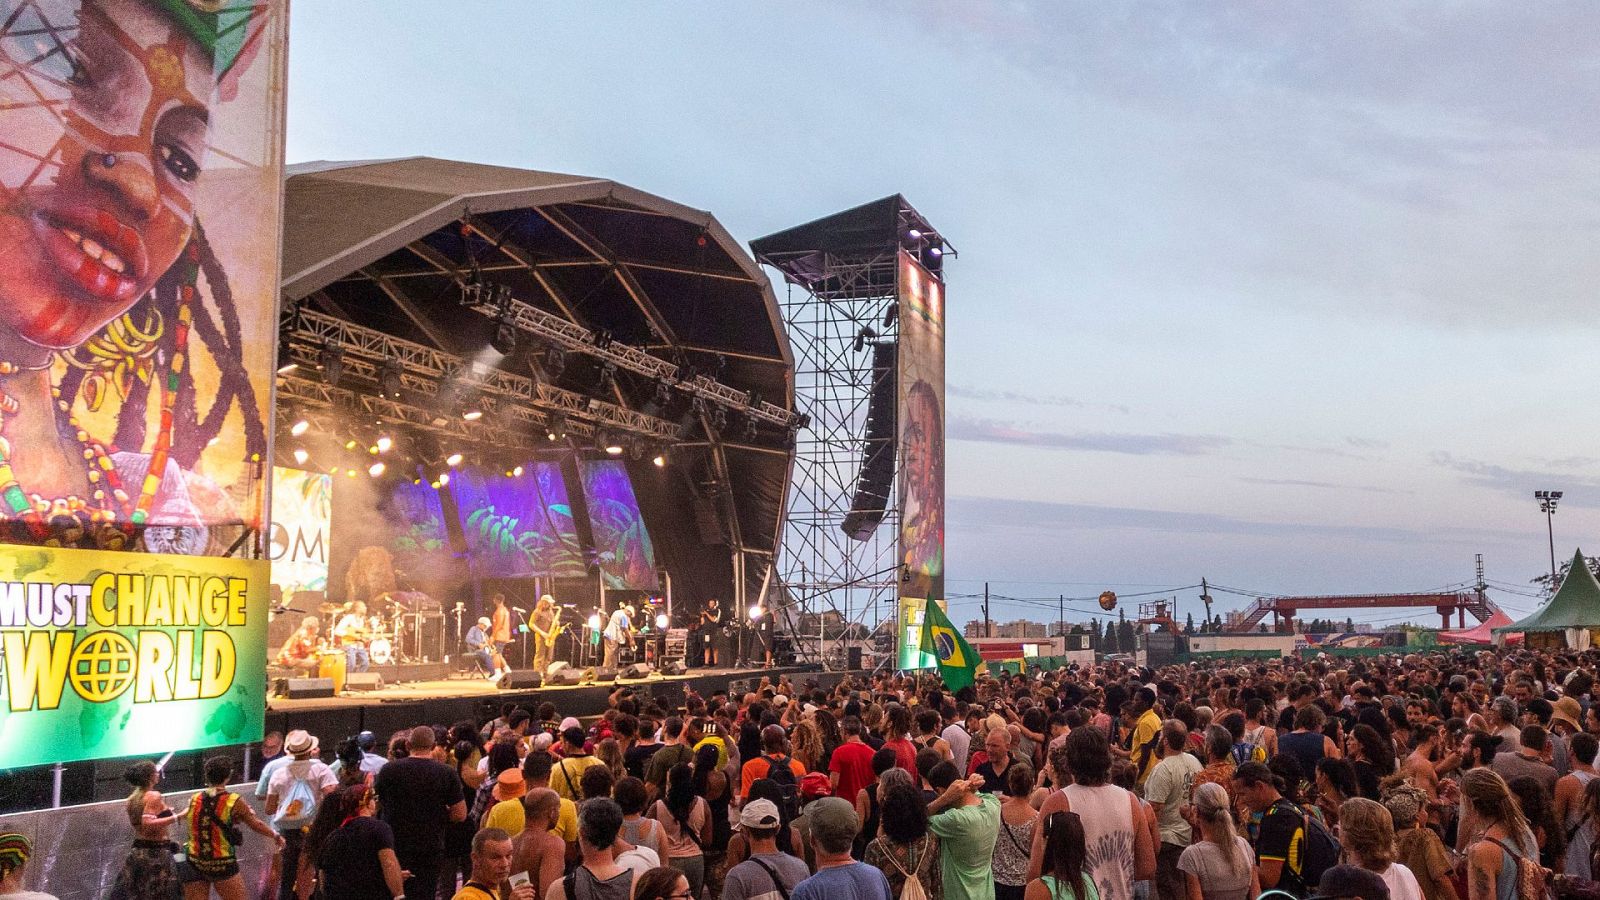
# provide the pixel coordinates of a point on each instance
(823, 568)
(425, 370)
(497, 303)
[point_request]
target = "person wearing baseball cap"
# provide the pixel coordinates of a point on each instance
(768, 870)
(833, 825)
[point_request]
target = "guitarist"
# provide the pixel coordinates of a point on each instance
(352, 636)
(546, 625)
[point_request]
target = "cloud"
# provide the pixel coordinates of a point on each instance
(1521, 482)
(1366, 443)
(992, 396)
(1297, 482)
(993, 432)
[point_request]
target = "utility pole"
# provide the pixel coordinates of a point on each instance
(1205, 597)
(988, 623)
(1061, 618)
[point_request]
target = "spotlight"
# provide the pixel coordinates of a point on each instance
(389, 383)
(330, 361)
(660, 461)
(516, 472)
(376, 469)
(935, 252)
(663, 394)
(594, 622)
(300, 456)
(555, 362)
(914, 235)
(435, 485)
(384, 443)
(453, 460)
(504, 340)
(444, 478)
(866, 333)
(350, 472)
(755, 612)
(662, 622)
(613, 448)
(299, 428)
(472, 415)
(890, 314)
(351, 444)
(719, 419)
(608, 377)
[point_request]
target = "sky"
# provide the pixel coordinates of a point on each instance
(1294, 297)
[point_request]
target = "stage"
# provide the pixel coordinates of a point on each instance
(453, 699)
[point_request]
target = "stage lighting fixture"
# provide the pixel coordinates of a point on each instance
(719, 419)
(755, 613)
(659, 461)
(300, 456)
(555, 362)
(351, 444)
(866, 333)
(914, 235)
(435, 485)
(890, 314)
(662, 622)
(472, 415)
(594, 622)
(299, 428)
(350, 472)
(453, 460)
(444, 478)
(613, 448)
(330, 361)
(935, 252)
(389, 383)
(516, 472)
(376, 469)
(504, 340)
(663, 394)
(384, 443)
(608, 377)
(286, 363)
(751, 430)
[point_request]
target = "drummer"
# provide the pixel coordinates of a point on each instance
(352, 634)
(300, 650)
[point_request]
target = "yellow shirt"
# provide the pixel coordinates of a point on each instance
(1145, 731)
(721, 745)
(473, 892)
(566, 778)
(510, 817)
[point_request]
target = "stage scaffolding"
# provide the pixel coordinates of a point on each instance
(841, 275)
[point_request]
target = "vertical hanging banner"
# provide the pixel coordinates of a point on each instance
(302, 517)
(921, 439)
(141, 168)
(621, 541)
(115, 654)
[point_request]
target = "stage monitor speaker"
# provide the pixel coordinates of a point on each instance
(877, 462)
(599, 674)
(853, 659)
(363, 681)
(565, 676)
(522, 680)
(738, 687)
(310, 688)
(637, 670)
(674, 667)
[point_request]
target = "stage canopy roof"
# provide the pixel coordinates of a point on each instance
(393, 245)
(1575, 605)
(1482, 633)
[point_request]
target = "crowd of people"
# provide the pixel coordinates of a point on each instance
(1446, 776)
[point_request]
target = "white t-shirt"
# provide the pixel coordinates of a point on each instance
(313, 770)
(1402, 884)
(617, 627)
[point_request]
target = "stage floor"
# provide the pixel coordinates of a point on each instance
(443, 702)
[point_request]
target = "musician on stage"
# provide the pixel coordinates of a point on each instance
(300, 650)
(619, 631)
(479, 649)
(544, 621)
(500, 634)
(352, 635)
(711, 632)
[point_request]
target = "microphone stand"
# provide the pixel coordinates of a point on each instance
(526, 659)
(460, 635)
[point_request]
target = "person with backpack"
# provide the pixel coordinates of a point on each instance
(1293, 848)
(214, 816)
(774, 763)
(903, 848)
(1503, 860)
(296, 791)
(767, 873)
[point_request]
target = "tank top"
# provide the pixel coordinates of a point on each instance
(1107, 815)
(1582, 840)
(1059, 891)
(1256, 735)
(869, 829)
(1505, 884)
(633, 831)
(721, 826)
(587, 887)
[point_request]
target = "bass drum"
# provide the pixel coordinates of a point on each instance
(381, 651)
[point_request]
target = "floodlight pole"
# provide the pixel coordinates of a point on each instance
(1547, 505)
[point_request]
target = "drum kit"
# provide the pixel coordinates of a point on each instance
(394, 632)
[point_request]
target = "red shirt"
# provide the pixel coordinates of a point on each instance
(853, 761)
(905, 754)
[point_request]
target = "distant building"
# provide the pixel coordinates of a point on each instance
(1022, 629)
(975, 629)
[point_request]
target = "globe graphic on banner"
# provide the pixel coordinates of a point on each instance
(103, 667)
(946, 644)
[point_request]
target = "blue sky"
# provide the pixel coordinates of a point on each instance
(1296, 297)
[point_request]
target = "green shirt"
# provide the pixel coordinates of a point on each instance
(966, 848)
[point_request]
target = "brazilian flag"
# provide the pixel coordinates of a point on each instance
(958, 662)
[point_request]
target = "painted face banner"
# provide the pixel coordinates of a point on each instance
(921, 297)
(519, 525)
(140, 173)
(119, 654)
(302, 516)
(623, 543)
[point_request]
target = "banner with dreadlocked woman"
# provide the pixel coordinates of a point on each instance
(140, 172)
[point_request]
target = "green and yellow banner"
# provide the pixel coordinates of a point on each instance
(120, 654)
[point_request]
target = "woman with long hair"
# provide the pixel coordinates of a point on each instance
(1500, 836)
(828, 727)
(1367, 832)
(1336, 783)
(352, 849)
(1219, 864)
(1064, 872)
(806, 746)
(608, 751)
(1540, 811)
(1015, 840)
(903, 847)
(148, 873)
(502, 756)
(686, 824)
(713, 784)
(1372, 757)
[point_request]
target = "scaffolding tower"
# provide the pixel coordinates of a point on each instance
(838, 588)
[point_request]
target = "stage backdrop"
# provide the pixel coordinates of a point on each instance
(921, 391)
(621, 541)
(116, 654)
(141, 171)
(302, 517)
(518, 525)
